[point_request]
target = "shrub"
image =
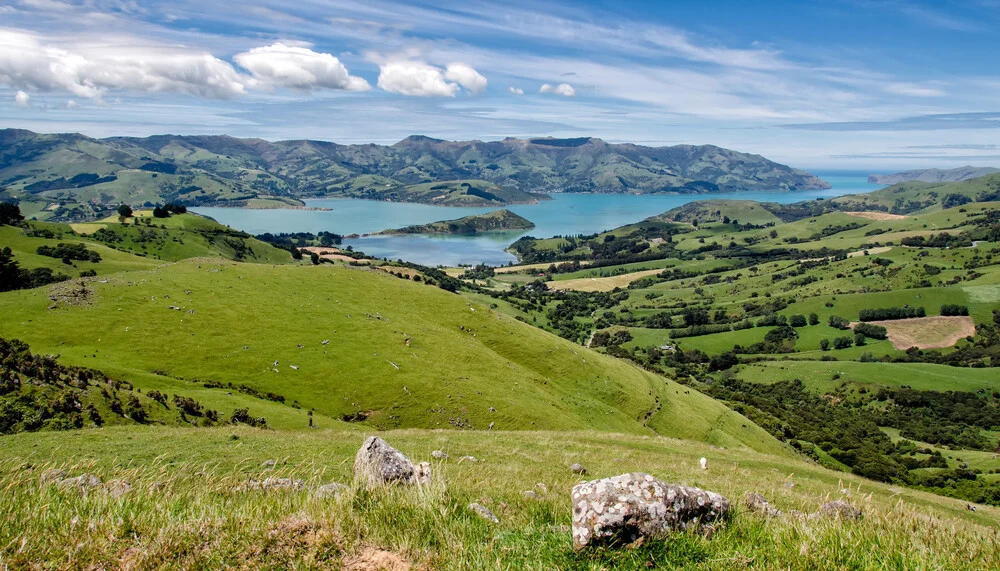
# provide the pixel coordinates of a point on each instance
(824, 344)
(843, 342)
(797, 321)
(953, 309)
(871, 331)
(839, 322)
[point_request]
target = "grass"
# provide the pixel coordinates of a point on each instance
(186, 510)
(819, 375)
(247, 317)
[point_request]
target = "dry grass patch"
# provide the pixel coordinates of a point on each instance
(871, 251)
(602, 284)
(878, 215)
(928, 332)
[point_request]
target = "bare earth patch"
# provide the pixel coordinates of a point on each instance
(333, 254)
(601, 284)
(927, 332)
(871, 251)
(371, 559)
(878, 215)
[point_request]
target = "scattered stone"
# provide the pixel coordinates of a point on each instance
(83, 482)
(839, 509)
(268, 463)
(624, 508)
(472, 459)
(378, 464)
(578, 469)
(789, 485)
(118, 488)
(54, 475)
(483, 512)
(542, 487)
(757, 504)
(331, 490)
(530, 495)
(439, 455)
(970, 507)
(268, 484)
(703, 463)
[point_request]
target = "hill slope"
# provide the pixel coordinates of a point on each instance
(496, 221)
(387, 363)
(933, 175)
(90, 173)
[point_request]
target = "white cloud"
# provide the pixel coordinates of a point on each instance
(417, 78)
(465, 76)
(564, 89)
(300, 68)
(515, 90)
(70, 104)
(22, 99)
(29, 61)
(913, 90)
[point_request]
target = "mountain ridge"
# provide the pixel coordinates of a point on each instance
(958, 174)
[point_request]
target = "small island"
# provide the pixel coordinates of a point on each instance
(497, 221)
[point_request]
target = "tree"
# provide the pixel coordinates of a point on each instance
(11, 276)
(843, 342)
(773, 234)
(314, 258)
(824, 344)
(10, 214)
(839, 322)
(797, 321)
(859, 339)
(813, 319)
(125, 211)
(160, 212)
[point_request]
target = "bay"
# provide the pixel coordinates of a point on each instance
(565, 214)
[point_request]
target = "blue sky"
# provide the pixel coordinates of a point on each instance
(850, 84)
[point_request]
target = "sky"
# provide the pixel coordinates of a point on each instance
(837, 84)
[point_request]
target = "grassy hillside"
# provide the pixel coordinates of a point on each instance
(186, 507)
(387, 363)
(496, 221)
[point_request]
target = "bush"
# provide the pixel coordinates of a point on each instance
(839, 322)
(953, 309)
(890, 313)
(69, 252)
(813, 319)
(824, 344)
(871, 331)
(843, 343)
(797, 321)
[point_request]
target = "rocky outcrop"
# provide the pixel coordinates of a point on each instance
(625, 508)
(839, 509)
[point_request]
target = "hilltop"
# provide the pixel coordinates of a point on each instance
(933, 175)
(73, 177)
(496, 221)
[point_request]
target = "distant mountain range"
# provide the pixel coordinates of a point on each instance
(229, 171)
(933, 175)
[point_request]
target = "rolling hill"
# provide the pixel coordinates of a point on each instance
(70, 176)
(933, 175)
(496, 221)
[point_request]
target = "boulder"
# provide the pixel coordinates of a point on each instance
(53, 475)
(624, 508)
(839, 509)
(378, 464)
(118, 488)
(578, 469)
(268, 484)
(422, 473)
(483, 512)
(758, 504)
(439, 455)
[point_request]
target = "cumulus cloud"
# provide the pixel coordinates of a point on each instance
(465, 76)
(298, 68)
(564, 89)
(29, 61)
(22, 99)
(515, 90)
(420, 79)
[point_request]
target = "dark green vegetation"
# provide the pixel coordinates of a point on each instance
(496, 221)
(83, 177)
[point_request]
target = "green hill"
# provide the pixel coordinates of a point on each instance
(496, 221)
(73, 177)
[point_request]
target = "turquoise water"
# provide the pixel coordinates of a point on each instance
(565, 214)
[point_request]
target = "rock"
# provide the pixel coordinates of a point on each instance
(789, 485)
(578, 469)
(422, 473)
(544, 489)
(268, 463)
(439, 455)
(483, 512)
(624, 508)
(331, 490)
(757, 504)
(378, 464)
(118, 488)
(472, 459)
(529, 495)
(83, 482)
(53, 475)
(839, 509)
(703, 463)
(268, 484)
